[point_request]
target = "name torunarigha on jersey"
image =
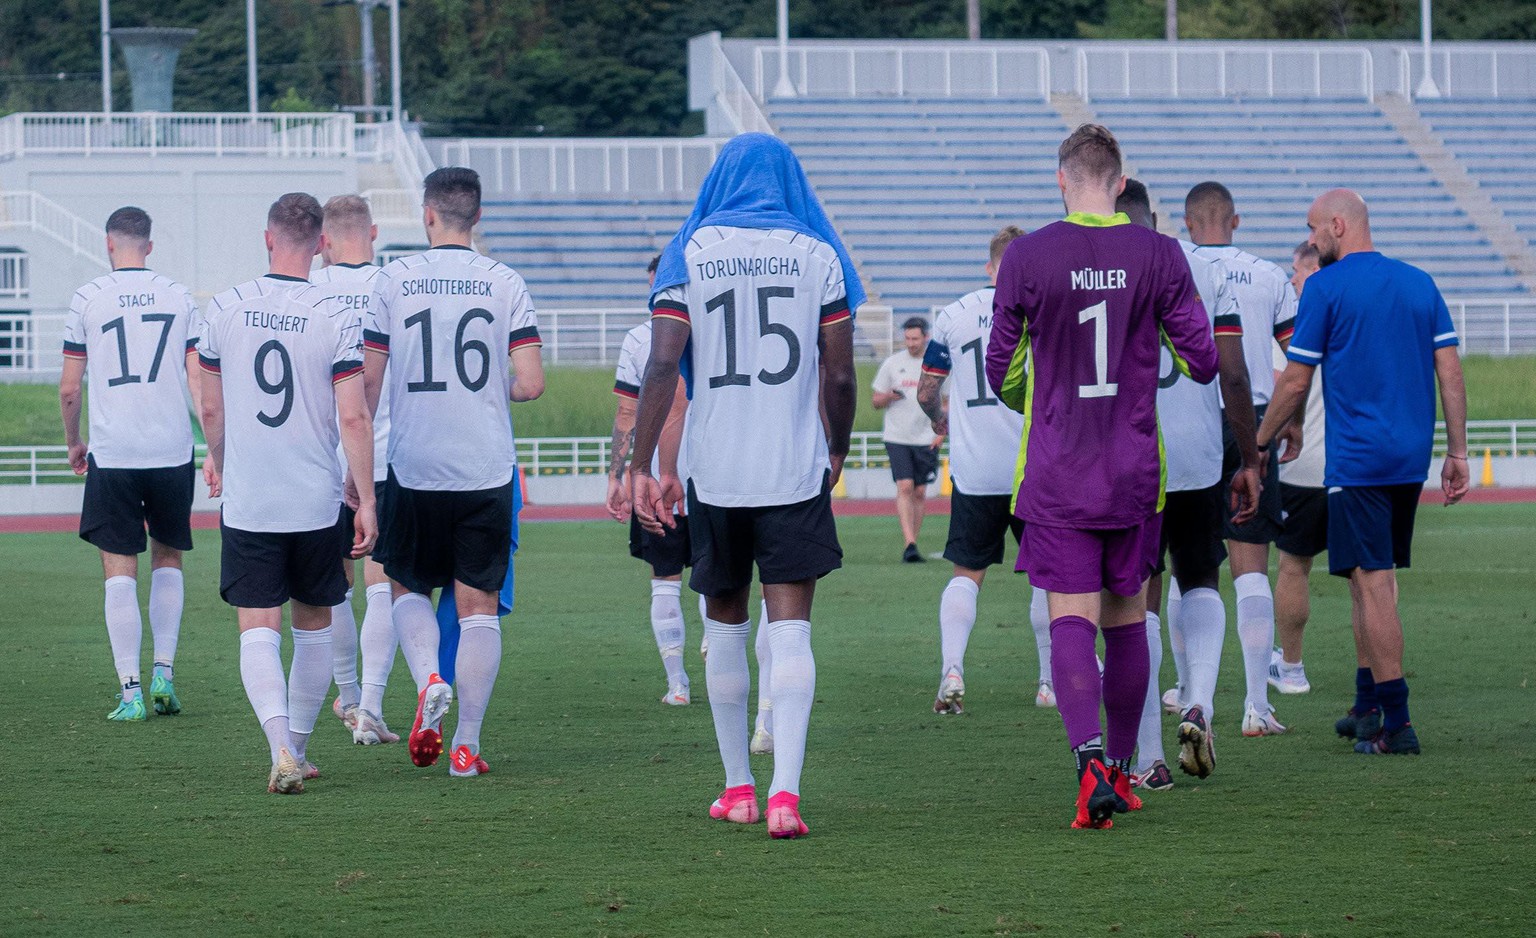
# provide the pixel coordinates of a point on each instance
(1086, 302)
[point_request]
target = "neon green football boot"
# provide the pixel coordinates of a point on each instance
(163, 695)
(130, 710)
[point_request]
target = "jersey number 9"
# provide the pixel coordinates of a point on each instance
(283, 385)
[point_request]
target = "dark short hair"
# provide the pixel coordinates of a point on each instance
(1209, 202)
(655, 263)
(915, 322)
(1306, 250)
(297, 217)
(454, 193)
(1090, 154)
(1134, 196)
(1001, 240)
(129, 221)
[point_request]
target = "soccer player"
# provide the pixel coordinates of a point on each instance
(346, 250)
(1384, 333)
(910, 443)
(1084, 301)
(982, 453)
(1304, 528)
(667, 553)
(279, 360)
(1268, 307)
(759, 282)
(440, 320)
(134, 330)
(1190, 418)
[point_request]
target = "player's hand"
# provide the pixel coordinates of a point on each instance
(618, 499)
(837, 466)
(349, 492)
(649, 503)
(77, 458)
(1291, 437)
(211, 476)
(938, 441)
(365, 526)
(672, 493)
(1245, 494)
(941, 426)
(1455, 479)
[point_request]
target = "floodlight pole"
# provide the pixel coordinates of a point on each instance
(973, 19)
(784, 88)
(250, 53)
(394, 60)
(106, 56)
(1427, 87)
(1171, 21)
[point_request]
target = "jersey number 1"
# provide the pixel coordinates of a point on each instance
(1098, 314)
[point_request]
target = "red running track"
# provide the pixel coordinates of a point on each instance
(207, 521)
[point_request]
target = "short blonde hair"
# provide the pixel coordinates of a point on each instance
(1001, 240)
(348, 213)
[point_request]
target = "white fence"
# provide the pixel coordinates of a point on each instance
(400, 207)
(31, 210)
(576, 165)
(269, 135)
(15, 276)
(1495, 327)
(916, 69)
(31, 345)
(1476, 71)
(1173, 71)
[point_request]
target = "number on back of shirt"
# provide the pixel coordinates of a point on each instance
(119, 326)
(282, 385)
(463, 350)
(1098, 314)
(766, 327)
(982, 398)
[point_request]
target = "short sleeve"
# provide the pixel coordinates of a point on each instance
(194, 322)
(377, 321)
(936, 360)
(834, 297)
(1445, 330)
(1285, 313)
(626, 378)
(524, 322)
(1226, 315)
(671, 303)
(884, 378)
(74, 327)
(1309, 339)
(207, 340)
(347, 357)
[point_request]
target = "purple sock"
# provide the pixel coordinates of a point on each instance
(1075, 676)
(1127, 669)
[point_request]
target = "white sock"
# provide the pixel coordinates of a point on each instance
(1204, 618)
(794, 688)
(1149, 738)
(728, 682)
(309, 678)
(416, 625)
(344, 651)
(1256, 630)
(1176, 630)
(125, 630)
(764, 672)
(475, 667)
(167, 597)
(668, 627)
(261, 670)
(378, 643)
(957, 616)
(1040, 621)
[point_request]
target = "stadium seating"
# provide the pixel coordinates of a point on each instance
(1492, 139)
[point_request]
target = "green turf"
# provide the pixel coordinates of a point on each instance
(593, 821)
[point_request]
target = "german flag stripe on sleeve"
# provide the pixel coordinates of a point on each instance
(191, 346)
(670, 309)
(1284, 330)
(210, 365)
(74, 349)
(835, 312)
(626, 390)
(935, 370)
(524, 338)
(377, 341)
(341, 371)
(1228, 325)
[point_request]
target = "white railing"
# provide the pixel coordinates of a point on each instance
(915, 69)
(1497, 437)
(1470, 71)
(1199, 70)
(15, 275)
(1495, 326)
(32, 210)
(401, 207)
(744, 109)
(572, 164)
(31, 344)
(272, 135)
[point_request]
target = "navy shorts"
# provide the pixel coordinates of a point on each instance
(918, 463)
(667, 553)
(789, 543)
(121, 503)
(1305, 532)
(978, 529)
(1370, 527)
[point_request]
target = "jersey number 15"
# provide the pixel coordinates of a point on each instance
(726, 303)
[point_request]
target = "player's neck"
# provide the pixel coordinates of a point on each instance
(450, 239)
(1089, 200)
(129, 263)
(349, 259)
(289, 262)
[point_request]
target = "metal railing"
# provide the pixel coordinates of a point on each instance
(917, 69)
(303, 136)
(1495, 326)
(32, 344)
(32, 210)
(394, 206)
(15, 275)
(742, 107)
(573, 164)
(586, 336)
(1470, 71)
(1176, 70)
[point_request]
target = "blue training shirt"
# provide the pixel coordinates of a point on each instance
(1377, 323)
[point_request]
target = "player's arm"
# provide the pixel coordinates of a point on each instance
(1183, 320)
(618, 454)
(884, 387)
(213, 424)
(839, 389)
(930, 385)
(1455, 475)
(356, 423)
(1290, 394)
(71, 384)
(528, 373)
(1237, 406)
(669, 447)
(1008, 349)
(195, 383)
(669, 337)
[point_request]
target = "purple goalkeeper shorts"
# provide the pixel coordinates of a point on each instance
(1070, 560)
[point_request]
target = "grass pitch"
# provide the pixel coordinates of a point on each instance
(594, 823)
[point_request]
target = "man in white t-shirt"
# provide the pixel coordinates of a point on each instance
(134, 331)
(984, 446)
(447, 323)
(346, 250)
(910, 443)
(280, 362)
(1304, 529)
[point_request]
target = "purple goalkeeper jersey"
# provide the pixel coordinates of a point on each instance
(1086, 301)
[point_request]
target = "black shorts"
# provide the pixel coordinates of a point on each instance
(120, 503)
(918, 463)
(1371, 527)
(1192, 529)
(264, 569)
(978, 528)
(1265, 526)
(1304, 532)
(436, 537)
(789, 543)
(349, 524)
(666, 553)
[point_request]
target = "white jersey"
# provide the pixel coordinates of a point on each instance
(351, 285)
(279, 346)
(1306, 470)
(447, 318)
(756, 301)
(983, 435)
(1268, 305)
(634, 355)
(903, 420)
(134, 329)
(1189, 414)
